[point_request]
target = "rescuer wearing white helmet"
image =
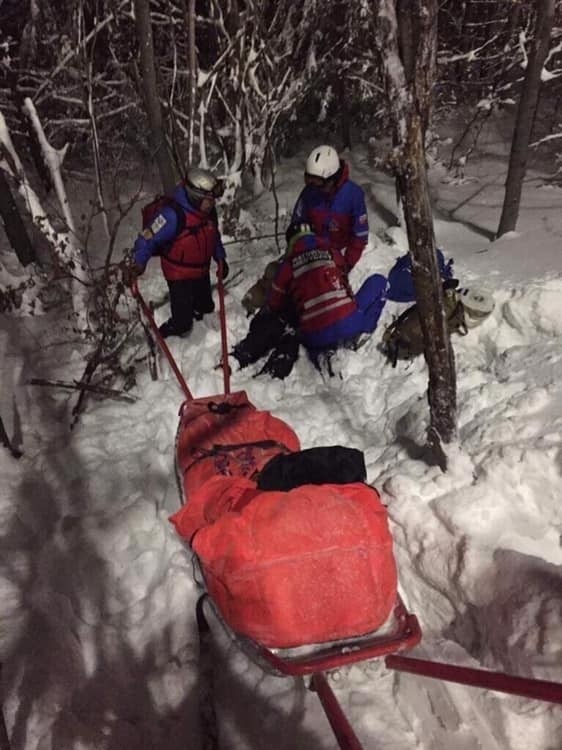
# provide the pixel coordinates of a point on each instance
(184, 232)
(333, 205)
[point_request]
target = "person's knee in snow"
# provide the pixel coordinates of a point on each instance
(264, 333)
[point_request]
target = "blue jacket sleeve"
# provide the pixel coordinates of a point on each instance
(162, 230)
(300, 211)
(359, 228)
(219, 252)
(360, 221)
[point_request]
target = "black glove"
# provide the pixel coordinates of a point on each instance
(281, 360)
(132, 272)
(225, 269)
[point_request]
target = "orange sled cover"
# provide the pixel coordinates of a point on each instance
(227, 435)
(286, 569)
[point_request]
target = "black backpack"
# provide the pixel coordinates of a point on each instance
(327, 465)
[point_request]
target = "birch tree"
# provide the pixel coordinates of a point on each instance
(407, 51)
(65, 244)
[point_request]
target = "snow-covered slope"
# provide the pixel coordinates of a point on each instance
(97, 630)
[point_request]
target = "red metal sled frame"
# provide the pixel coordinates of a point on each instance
(405, 636)
(526, 687)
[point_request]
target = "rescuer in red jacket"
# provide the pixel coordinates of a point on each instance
(312, 282)
(311, 303)
(185, 234)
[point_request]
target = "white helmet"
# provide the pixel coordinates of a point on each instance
(199, 184)
(478, 305)
(323, 162)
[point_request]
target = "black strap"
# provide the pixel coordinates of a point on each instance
(180, 215)
(231, 447)
(224, 407)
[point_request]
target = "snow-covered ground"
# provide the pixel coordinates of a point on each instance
(97, 628)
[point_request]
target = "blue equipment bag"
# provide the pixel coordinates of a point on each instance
(401, 284)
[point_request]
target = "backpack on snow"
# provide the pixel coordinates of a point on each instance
(401, 283)
(403, 339)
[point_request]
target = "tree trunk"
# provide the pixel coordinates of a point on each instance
(4, 739)
(438, 351)
(151, 99)
(525, 116)
(189, 21)
(13, 224)
(409, 82)
(345, 117)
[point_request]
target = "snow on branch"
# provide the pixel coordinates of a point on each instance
(76, 49)
(470, 56)
(64, 244)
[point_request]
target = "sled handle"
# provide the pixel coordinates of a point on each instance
(224, 342)
(528, 687)
(160, 341)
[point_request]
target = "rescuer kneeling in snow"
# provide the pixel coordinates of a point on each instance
(311, 291)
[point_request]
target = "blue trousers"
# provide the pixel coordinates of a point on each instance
(370, 301)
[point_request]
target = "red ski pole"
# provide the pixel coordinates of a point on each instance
(160, 341)
(224, 342)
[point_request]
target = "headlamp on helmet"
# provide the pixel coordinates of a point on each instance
(294, 231)
(200, 184)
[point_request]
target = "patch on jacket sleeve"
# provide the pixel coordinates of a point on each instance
(157, 224)
(363, 219)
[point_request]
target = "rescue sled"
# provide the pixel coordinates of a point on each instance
(225, 437)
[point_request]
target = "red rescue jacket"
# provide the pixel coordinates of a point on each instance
(313, 277)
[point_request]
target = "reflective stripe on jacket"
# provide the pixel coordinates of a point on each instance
(313, 280)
